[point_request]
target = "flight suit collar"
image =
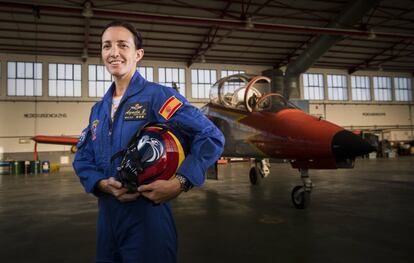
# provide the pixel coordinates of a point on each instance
(136, 84)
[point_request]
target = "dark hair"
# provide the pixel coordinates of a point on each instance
(131, 28)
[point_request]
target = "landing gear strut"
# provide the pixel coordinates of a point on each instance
(301, 193)
(259, 170)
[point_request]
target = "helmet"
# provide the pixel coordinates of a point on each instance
(155, 153)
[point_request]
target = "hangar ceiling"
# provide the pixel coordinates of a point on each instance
(255, 32)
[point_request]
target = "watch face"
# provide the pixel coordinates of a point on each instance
(184, 182)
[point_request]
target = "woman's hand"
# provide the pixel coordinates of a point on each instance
(114, 187)
(161, 190)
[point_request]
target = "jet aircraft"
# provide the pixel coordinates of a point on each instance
(260, 124)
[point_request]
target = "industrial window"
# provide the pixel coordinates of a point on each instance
(403, 89)
(231, 86)
(202, 80)
(168, 76)
(382, 88)
(24, 79)
(147, 73)
(65, 80)
(226, 73)
(99, 80)
(337, 87)
(360, 88)
(313, 88)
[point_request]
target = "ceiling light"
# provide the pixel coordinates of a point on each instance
(203, 59)
(84, 55)
(248, 23)
(371, 34)
(87, 10)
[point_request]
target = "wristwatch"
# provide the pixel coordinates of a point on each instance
(186, 185)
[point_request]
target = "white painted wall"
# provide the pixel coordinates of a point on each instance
(363, 114)
(395, 135)
(16, 126)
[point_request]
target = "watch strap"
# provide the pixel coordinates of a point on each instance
(185, 184)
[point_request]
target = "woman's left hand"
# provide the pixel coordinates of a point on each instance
(161, 190)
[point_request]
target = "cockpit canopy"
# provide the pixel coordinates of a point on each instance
(248, 93)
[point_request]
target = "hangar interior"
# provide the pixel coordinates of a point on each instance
(360, 77)
(348, 62)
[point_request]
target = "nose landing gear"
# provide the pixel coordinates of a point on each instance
(260, 168)
(301, 194)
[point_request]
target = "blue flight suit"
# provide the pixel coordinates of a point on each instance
(140, 231)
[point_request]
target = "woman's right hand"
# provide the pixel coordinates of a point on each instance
(114, 187)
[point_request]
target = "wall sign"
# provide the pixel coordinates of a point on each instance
(373, 114)
(45, 115)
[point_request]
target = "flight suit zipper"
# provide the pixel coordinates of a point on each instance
(110, 130)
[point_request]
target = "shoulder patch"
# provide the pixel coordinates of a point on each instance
(170, 107)
(83, 138)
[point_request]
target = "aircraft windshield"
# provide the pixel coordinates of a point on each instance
(244, 92)
(273, 102)
(229, 91)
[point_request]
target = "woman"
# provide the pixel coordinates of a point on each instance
(138, 226)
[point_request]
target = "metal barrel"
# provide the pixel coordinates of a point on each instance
(16, 167)
(35, 167)
(45, 167)
(4, 167)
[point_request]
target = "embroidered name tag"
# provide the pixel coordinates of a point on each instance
(136, 111)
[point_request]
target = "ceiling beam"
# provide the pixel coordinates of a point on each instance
(85, 50)
(186, 20)
(237, 38)
(394, 57)
(263, 32)
(188, 5)
(97, 43)
(208, 40)
(367, 62)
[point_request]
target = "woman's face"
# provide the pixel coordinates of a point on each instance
(119, 52)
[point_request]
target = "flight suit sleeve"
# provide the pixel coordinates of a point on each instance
(84, 163)
(206, 140)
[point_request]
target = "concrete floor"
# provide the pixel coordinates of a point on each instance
(364, 214)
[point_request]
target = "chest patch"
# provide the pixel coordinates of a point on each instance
(136, 111)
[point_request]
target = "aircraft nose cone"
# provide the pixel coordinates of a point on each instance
(347, 144)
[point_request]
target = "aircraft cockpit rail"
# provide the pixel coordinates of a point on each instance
(247, 92)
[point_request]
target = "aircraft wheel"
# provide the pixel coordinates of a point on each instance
(73, 149)
(255, 176)
(300, 197)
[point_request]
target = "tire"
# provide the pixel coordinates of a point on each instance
(300, 197)
(73, 149)
(255, 176)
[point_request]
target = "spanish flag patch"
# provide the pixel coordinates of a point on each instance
(170, 107)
